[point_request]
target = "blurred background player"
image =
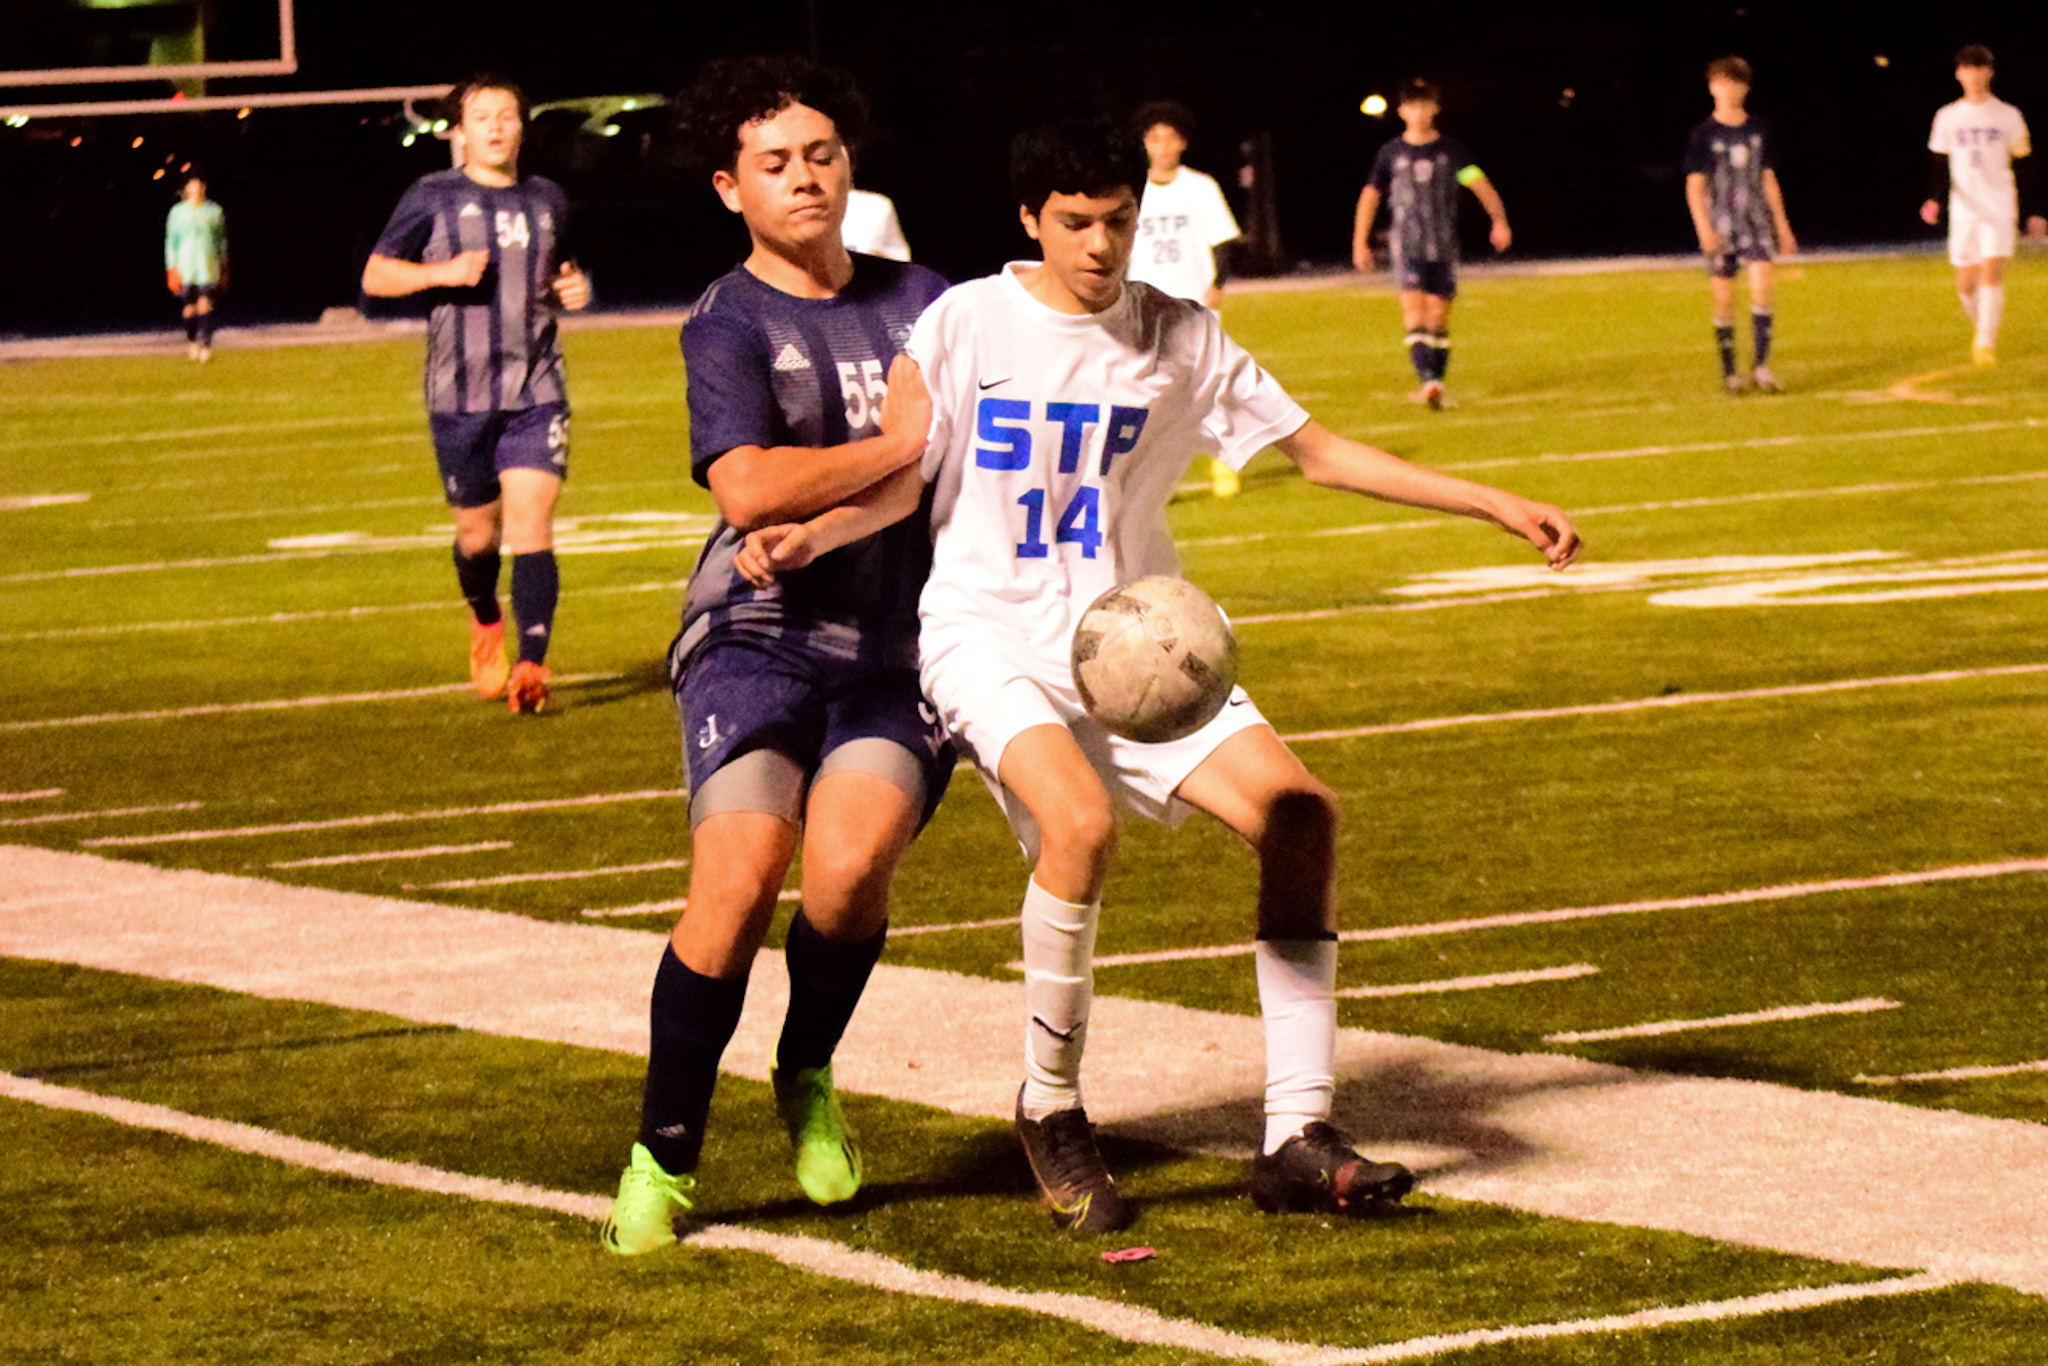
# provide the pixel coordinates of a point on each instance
(1182, 221)
(1731, 186)
(801, 715)
(871, 227)
(1417, 175)
(486, 247)
(1981, 153)
(196, 262)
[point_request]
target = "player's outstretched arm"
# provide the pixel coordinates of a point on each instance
(1501, 236)
(1361, 228)
(786, 546)
(1340, 463)
(388, 277)
(760, 486)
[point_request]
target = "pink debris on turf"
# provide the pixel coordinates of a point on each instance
(1130, 1254)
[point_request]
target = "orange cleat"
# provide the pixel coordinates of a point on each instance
(488, 667)
(527, 693)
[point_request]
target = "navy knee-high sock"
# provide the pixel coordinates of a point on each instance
(535, 586)
(478, 576)
(1760, 334)
(205, 321)
(1724, 341)
(693, 1018)
(1421, 353)
(825, 983)
(191, 327)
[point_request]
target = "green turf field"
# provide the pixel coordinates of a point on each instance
(1782, 732)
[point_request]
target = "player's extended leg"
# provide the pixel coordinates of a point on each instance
(1722, 289)
(1255, 785)
(478, 533)
(1075, 826)
(1990, 310)
(1436, 324)
(530, 497)
(862, 814)
(1760, 317)
(202, 318)
(1418, 337)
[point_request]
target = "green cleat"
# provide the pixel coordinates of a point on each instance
(827, 1162)
(643, 1216)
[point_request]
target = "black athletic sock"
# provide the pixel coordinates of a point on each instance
(1724, 337)
(535, 586)
(1419, 354)
(191, 327)
(693, 1018)
(1440, 355)
(478, 576)
(1760, 331)
(205, 321)
(825, 983)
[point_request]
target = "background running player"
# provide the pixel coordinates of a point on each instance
(801, 714)
(1182, 222)
(1731, 186)
(1065, 405)
(1981, 155)
(1418, 175)
(196, 262)
(486, 248)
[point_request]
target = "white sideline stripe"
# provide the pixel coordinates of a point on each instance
(325, 548)
(1480, 983)
(23, 502)
(155, 566)
(274, 704)
(385, 855)
(386, 818)
(38, 795)
(1672, 700)
(658, 907)
(569, 875)
(1863, 1006)
(1782, 892)
(291, 618)
(1748, 1306)
(898, 931)
(1753, 443)
(819, 1256)
(59, 817)
(2008, 1069)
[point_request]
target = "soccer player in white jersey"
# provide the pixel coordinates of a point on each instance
(1981, 152)
(1182, 220)
(1066, 403)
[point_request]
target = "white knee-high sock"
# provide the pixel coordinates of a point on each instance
(1968, 299)
(1990, 312)
(1059, 986)
(1297, 997)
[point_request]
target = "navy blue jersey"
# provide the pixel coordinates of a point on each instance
(768, 369)
(492, 346)
(1419, 183)
(1734, 158)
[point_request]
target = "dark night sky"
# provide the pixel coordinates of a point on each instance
(306, 191)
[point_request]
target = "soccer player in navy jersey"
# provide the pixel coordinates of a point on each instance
(486, 247)
(1731, 186)
(1417, 175)
(802, 720)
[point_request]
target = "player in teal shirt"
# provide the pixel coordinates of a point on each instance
(196, 262)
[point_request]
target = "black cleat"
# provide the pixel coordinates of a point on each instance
(1071, 1174)
(1317, 1172)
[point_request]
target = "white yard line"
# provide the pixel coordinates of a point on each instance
(65, 817)
(898, 931)
(386, 818)
(1846, 1178)
(564, 875)
(1788, 891)
(822, 1257)
(391, 855)
(25, 501)
(1775, 1015)
(1692, 699)
(659, 907)
(39, 794)
(1479, 983)
(2009, 1069)
(275, 704)
(1756, 443)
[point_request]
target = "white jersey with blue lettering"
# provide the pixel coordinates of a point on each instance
(1057, 441)
(1980, 141)
(1180, 225)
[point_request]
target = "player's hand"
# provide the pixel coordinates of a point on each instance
(466, 269)
(1788, 245)
(1501, 236)
(1710, 242)
(1930, 213)
(174, 280)
(1545, 527)
(571, 287)
(773, 550)
(1361, 259)
(2037, 229)
(907, 407)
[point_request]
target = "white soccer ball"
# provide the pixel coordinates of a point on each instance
(1154, 659)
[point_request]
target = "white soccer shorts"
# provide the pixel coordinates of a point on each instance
(987, 696)
(1973, 240)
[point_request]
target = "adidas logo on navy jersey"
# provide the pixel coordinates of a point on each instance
(471, 210)
(789, 358)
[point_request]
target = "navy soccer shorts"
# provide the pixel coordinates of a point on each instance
(472, 448)
(1726, 265)
(739, 692)
(1439, 278)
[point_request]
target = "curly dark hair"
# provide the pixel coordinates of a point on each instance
(1419, 91)
(1975, 54)
(729, 93)
(1075, 156)
(487, 80)
(1172, 113)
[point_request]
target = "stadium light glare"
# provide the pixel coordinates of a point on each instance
(408, 140)
(1374, 106)
(1882, 60)
(18, 121)
(610, 130)
(243, 112)
(136, 143)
